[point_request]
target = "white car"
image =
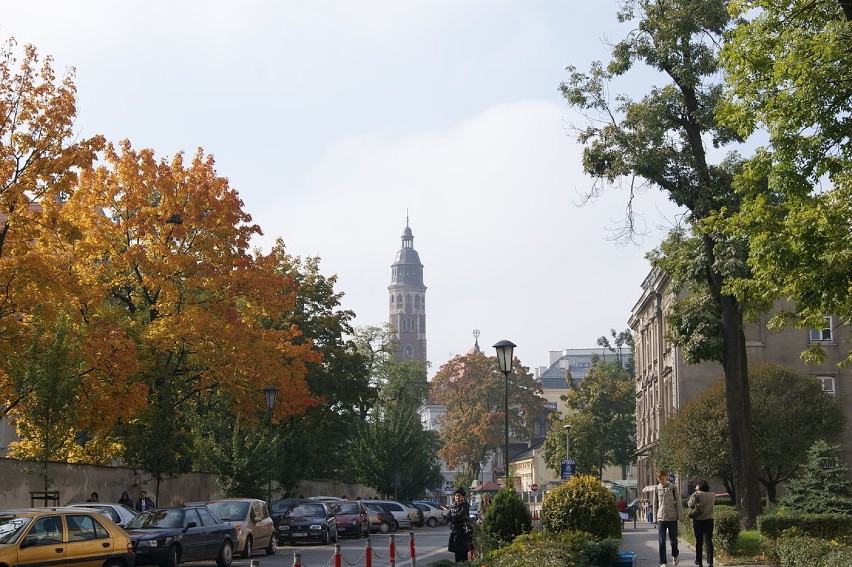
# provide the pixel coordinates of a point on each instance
(432, 516)
(401, 513)
(118, 513)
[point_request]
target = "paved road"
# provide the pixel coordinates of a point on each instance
(430, 546)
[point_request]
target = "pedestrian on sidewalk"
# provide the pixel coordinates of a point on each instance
(669, 511)
(701, 504)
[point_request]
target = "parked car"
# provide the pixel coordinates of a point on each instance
(169, 536)
(415, 514)
(401, 512)
(352, 518)
(277, 508)
(381, 519)
(118, 513)
(66, 536)
(431, 515)
(308, 520)
(475, 516)
(252, 521)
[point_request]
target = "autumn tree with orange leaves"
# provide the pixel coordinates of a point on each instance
(473, 390)
(167, 244)
(47, 345)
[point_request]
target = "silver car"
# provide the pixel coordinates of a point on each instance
(401, 513)
(118, 513)
(250, 517)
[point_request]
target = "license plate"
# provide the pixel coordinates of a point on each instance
(299, 534)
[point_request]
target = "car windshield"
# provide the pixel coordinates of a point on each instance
(350, 508)
(12, 527)
(171, 518)
(230, 511)
(306, 510)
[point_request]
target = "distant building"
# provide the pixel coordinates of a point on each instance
(665, 382)
(577, 361)
(408, 300)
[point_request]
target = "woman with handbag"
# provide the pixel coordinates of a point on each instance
(700, 505)
(458, 519)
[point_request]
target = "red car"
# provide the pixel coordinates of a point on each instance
(352, 518)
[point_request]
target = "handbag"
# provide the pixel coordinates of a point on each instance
(695, 511)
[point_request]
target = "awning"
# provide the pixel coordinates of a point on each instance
(650, 488)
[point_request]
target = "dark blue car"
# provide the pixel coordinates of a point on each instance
(170, 536)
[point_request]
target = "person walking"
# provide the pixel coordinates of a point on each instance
(458, 518)
(669, 511)
(700, 506)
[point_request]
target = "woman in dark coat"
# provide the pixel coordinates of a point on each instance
(458, 518)
(702, 501)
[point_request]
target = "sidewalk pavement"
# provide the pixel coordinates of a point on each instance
(642, 540)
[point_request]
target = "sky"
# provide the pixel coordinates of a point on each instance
(337, 120)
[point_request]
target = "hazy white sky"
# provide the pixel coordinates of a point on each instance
(332, 118)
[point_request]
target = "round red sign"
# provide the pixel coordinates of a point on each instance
(534, 487)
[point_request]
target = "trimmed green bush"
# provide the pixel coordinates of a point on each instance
(556, 549)
(796, 550)
(581, 504)
(726, 527)
(824, 526)
(508, 516)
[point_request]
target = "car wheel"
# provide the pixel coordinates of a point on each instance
(385, 527)
(395, 526)
(248, 548)
(432, 522)
(335, 536)
(226, 555)
(171, 557)
(326, 537)
(273, 545)
(113, 564)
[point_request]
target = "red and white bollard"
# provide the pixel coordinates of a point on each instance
(411, 550)
(392, 551)
(297, 560)
(337, 556)
(368, 554)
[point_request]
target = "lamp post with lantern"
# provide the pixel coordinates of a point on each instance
(270, 395)
(505, 359)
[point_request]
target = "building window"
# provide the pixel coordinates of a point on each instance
(823, 334)
(409, 352)
(828, 384)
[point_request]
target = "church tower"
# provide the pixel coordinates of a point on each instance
(408, 300)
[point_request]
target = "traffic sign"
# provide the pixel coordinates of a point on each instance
(534, 487)
(569, 469)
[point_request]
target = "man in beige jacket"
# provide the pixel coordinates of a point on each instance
(669, 510)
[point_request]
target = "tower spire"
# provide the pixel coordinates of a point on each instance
(408, 299)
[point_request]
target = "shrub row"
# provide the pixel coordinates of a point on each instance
(825, 526)
(804, 551)
(557, 549)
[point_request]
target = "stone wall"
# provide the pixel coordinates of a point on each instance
(74, 483)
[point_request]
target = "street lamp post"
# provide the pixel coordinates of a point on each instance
(270, 395)
(567, 429)
(505, 360)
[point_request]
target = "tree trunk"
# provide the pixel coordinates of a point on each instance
(737, 397)
(847, 9)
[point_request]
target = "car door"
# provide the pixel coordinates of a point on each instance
(89, 542)
(195, 537)
(262, 525)
(43, 543)
(214, 532)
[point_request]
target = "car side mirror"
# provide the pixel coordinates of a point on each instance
(190, 525)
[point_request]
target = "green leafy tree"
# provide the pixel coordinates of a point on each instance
(395, 455)
(508, 517)
(791, 412)
(662, 140)
(474, 392)
(341, 379)
(602, 413)
(239, 453)
(786, 64)
(822, 486)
